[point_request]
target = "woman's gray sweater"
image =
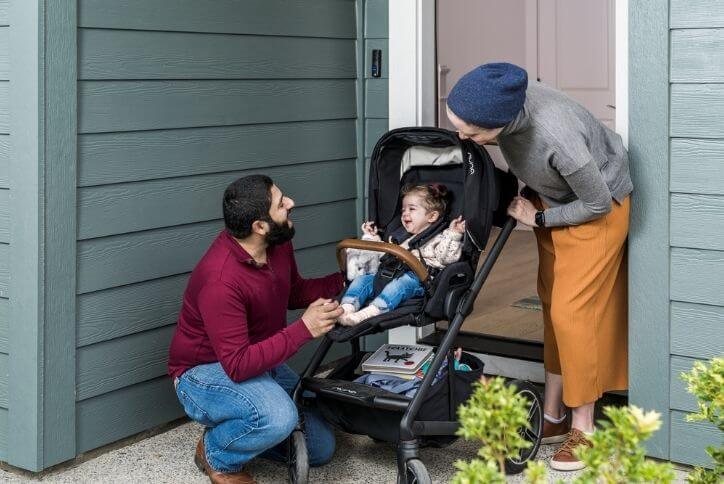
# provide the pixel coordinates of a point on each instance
(575, 163)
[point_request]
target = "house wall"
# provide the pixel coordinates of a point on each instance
(4, 222)
(697, 210)
(176, 99)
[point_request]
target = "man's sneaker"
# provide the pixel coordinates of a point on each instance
(565, 459)
(555, 433)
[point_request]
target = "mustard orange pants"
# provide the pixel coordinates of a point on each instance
(583, 285)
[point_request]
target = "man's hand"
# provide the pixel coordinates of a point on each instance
(458, 225)
(523, 211)
(369, 228)
(321, 315)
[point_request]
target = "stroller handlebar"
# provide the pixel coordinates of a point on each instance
(404, 255)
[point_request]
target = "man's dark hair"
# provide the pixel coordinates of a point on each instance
(246, 200)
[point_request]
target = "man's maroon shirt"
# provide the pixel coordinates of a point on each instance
(234, 311)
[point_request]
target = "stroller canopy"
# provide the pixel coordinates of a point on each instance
(480, 192)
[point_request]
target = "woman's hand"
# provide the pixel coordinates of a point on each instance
(369, 228)
(458, 225)
(523, 211)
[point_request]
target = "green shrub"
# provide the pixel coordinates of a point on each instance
(707, 384)
(617, 455)
(493, 415)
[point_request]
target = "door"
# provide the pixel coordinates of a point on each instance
(567, 44)
(576, 52)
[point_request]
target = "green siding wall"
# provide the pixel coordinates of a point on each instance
(376, 96)
(4, 223)
(696, 210)
(176, 99)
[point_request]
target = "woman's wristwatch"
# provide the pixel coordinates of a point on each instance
(540, 218)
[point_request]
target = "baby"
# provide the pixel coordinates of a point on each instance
(422, 206)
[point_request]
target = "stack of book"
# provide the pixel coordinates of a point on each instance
(402, 361)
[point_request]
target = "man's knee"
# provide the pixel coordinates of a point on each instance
(323, 453)
(282, 419)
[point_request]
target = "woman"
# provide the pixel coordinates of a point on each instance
(578, 187)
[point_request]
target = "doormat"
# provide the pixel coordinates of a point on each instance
(531, 303)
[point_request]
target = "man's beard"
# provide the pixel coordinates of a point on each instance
(278, 233)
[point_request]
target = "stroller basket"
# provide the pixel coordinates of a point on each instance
(339, 399)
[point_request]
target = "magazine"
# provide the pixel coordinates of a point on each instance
(398, 359)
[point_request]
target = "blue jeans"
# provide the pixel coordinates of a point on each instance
(404, 287)
(251, 418)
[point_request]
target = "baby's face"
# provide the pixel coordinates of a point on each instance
(415, 217)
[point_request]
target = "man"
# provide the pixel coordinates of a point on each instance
(228, 354)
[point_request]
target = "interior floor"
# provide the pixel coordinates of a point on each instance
(512, 279)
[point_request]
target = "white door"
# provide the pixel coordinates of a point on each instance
(567, 44)
(576, 52)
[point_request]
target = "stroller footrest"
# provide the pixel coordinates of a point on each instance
(356, 393)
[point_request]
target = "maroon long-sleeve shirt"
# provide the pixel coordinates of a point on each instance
(234, 311)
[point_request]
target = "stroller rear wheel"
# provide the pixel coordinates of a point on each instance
(533, 434)
(298, 460)
(416, 473)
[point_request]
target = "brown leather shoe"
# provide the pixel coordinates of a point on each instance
(555, 433)
(217, 477)
(565, 459)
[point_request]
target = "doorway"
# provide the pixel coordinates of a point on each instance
(566, 44)
(577, 46)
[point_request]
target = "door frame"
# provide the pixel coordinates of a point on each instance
(413, 90)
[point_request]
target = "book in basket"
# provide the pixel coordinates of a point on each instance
(393, 358)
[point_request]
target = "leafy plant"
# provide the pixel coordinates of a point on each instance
(617, 455)
(707, 384)
(493, 415)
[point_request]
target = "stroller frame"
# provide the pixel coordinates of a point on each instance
(410, 468)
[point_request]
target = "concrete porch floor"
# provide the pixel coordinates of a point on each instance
(167, 458)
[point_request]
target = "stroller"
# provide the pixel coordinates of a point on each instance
(481, 194)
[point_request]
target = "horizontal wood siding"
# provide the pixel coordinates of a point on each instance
(697, 166)
(696, 330)
(317, 18)
(177, 99)
(126, 412)
(142, 105)
(696, 14)
(697, 211)
(132, 54)
(690, 439)
(134, 156)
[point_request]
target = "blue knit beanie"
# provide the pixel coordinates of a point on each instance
(490, 95)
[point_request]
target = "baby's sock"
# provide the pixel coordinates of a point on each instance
(348, 309)
(369, 312)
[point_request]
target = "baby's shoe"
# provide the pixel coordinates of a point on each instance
(344, 318)
(366, 313)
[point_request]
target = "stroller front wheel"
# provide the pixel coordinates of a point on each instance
(416, 473)
(298, 459)
(534, 433)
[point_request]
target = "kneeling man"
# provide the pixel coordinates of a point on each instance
(228, 354)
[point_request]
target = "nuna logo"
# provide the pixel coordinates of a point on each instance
(471, 164)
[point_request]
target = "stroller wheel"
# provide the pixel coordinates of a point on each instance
(516, 465)
(298, 460)
(416, 473)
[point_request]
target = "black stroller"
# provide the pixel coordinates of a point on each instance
(480, 194)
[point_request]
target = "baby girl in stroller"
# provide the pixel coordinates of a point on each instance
(422, 206)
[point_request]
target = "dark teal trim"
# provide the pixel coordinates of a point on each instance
(42, 245)
(649, 234)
